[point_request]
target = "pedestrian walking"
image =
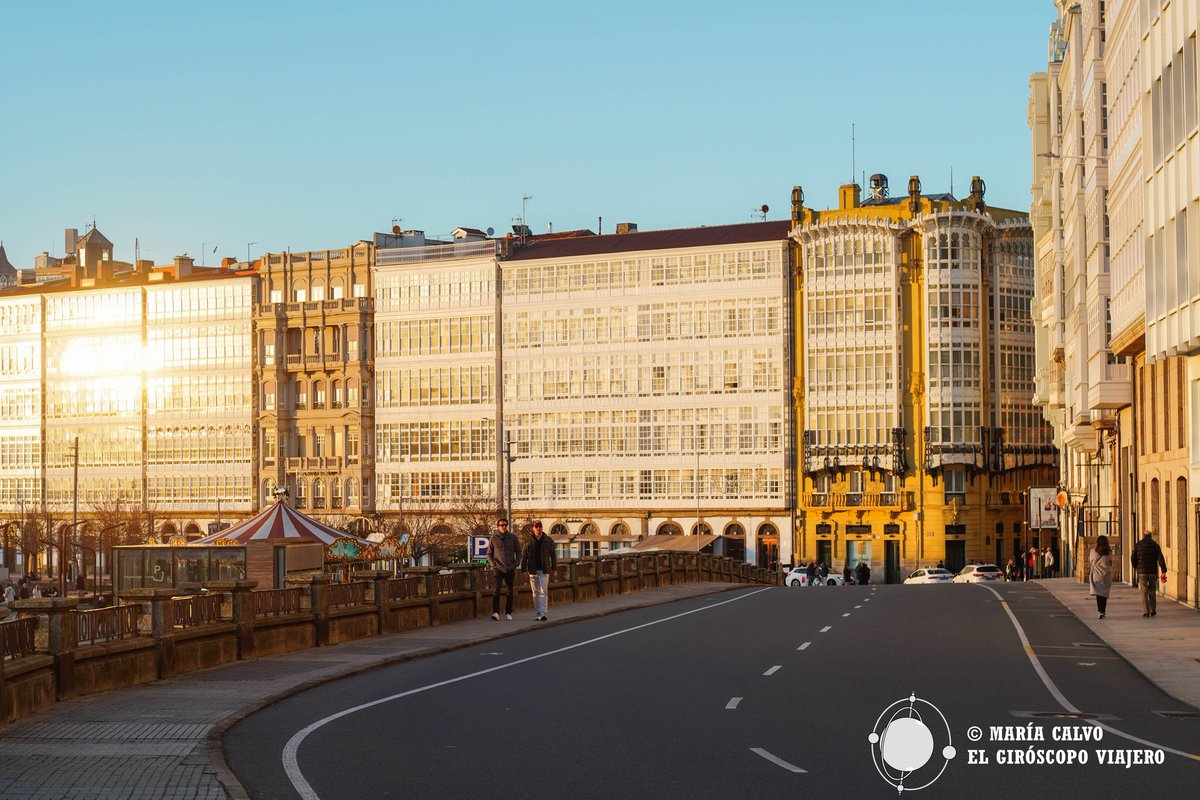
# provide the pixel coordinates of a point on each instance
(503, 555)
(1029, 558)
(847, 578)
(1100, 572)
(811, 572)
(1147, 561)
(1048, 563)
(863, 573)
(1010, 570)
(823, 570)
(538, 561)
(10, 594)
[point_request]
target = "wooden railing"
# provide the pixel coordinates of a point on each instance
(277, 602)
(199, 610)
(347, 594)
(107, 624)
(406, 588)
(17, 638)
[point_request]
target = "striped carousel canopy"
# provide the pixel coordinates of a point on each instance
(279, 521)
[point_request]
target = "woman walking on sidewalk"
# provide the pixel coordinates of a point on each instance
(1100, 572)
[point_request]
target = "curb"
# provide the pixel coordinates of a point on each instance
(216, 734)
(1096, 631)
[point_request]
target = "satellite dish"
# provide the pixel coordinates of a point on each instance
(765, 208)
(491, 231)
(396, 230)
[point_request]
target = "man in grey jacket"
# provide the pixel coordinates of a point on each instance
(503, 555)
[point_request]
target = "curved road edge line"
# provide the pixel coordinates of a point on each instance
(291, 764)
(1058, 695)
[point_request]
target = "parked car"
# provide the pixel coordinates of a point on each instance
(979, 573)
(930, 575)
(798, 576)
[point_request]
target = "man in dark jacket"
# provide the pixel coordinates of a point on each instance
(503, 555)
(1147, 560)
(811, 572)
(863, 573)
(538, 560)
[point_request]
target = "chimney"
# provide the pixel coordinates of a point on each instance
(183, 266)
(229, 262)
(71, 240)
(627, 227)
(849, 195)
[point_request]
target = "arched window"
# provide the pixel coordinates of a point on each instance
(559, 531)
(299, 292)
(619, 530)
(336, 289)
(335, 394)
(669, 529)
(167, 530)
(318, 391)
(1155, 517)
(767, 530)
(192, 530)
(301, 394)
(318, 291)
(351, 493)
(589, 529)
(268, 487)
(701, 529)
(335, 499)
(351, 392)
(318, 495)
(734, 529)
(301, 493)
(268, 401)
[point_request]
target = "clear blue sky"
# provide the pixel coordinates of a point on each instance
(312, 124)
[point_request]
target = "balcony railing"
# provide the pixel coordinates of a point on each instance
(886, 500)
(313, 463)
(107, 624)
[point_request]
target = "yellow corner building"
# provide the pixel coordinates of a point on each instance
(917, 435)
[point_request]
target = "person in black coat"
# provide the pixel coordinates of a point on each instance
(1147, 560)
(863, 573)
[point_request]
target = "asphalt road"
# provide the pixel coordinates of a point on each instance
(728, 696)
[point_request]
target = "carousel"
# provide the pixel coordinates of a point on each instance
(274, 544)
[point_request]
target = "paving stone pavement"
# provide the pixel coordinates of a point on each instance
(1164, 648)
(161, 741)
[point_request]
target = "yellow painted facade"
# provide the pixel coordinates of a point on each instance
(917, 436)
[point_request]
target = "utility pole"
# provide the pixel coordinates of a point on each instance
(62, 533)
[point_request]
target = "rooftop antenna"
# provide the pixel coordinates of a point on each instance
(951, 180)
(761, 212)
(853, 163)
(396, 224)
(248, 246)
(525, 198)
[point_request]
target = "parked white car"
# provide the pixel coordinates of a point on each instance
(930, 575)
(979, 573)
(798, 576)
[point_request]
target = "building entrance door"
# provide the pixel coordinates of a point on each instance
(956, 554)
(825, 552)
(891, 561)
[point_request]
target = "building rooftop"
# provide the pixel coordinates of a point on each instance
(123, 280)
(7, 270)
(671, 239)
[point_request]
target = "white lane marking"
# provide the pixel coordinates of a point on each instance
(773, 670)
(846, 614)
(804, 646)
(291, 763)
(776, 760)
(1060, 698)
(1087, 663)
(733, 703)
(858, 606)
(826, 628)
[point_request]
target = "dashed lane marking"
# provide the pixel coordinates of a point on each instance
(826, 628)
(733, 703)
(804, 646)
(773, 670)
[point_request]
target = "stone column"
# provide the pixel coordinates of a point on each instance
(158, 620)
(318, 591)
(377, 593)
(56, 635)
(240, 611)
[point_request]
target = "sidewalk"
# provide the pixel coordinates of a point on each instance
(1164, 648)
(162, 741)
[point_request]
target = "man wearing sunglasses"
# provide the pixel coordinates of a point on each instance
(538, 560)
(503, 555)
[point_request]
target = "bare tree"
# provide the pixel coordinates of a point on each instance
(475, 514)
